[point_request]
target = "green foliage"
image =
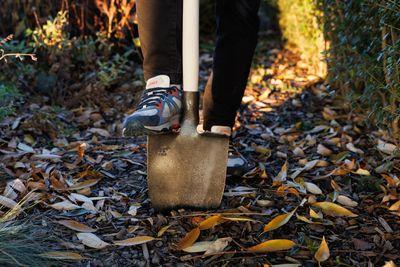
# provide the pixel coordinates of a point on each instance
(8, 97)
(364, 55)
(300, 28)
(362, 50)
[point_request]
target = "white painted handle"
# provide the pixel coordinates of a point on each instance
(190, 45)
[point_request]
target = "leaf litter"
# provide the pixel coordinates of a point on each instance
(91, 184)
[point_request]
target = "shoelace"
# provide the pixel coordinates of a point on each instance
(154, 96)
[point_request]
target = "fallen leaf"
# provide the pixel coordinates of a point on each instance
(333, 209)
(64, 205)
(322, 253)
(282, 174)
(362, 172)
(346, 201)
(85, 184)
(323, 150)
(91, 240)
(210, 222)
(278, 221)
(77, 226)
(272, 245)
(9, 203)
(312, 188)
(352, 148)
(189, 239)
(395, 206)
(386, 148)
(198, 247)
(218, 245)
(62, 255)
(25, 147)
(134, 241)
(163, 230)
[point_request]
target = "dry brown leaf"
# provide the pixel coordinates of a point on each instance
(272, 245)
(62, 255)
(333, 209)
(323, 150)
(189, 239)
(278, 221)
(85, 184)
(210, 222)
(134, 241)
(77, 226)
(91, 240)
(64, 205)
(346, 201)
(322, 253)
(352, 148)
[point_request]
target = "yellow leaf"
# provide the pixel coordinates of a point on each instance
(395, 206)
(333, 209)
(163, 230)
(134, 241)
(91, 240)
(304, 219)
(62, 255)
(314, 215)
(189, 239)
(77, 226)
(272, 245)
(238, 219)
(362, 172)
(210, 222)
(322, 253)
(278, 221)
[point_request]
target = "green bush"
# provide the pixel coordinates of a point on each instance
(364, 55)
(362, 50)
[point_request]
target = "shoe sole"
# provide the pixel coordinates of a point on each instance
(136, 128)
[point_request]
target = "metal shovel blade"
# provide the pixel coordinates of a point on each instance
(186, 170)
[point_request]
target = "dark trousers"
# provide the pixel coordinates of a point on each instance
(160, 32)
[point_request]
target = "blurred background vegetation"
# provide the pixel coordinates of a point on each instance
(86, 48)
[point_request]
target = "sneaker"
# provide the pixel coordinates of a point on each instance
(158, 111)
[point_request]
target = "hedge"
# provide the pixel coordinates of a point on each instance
(362, 48)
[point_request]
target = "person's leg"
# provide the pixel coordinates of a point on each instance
(160, 33)
(237, 32)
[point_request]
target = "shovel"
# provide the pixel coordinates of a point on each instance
(187, 169)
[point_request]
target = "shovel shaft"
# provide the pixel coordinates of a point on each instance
(190, 45)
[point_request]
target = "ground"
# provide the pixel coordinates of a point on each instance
(309, 148)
